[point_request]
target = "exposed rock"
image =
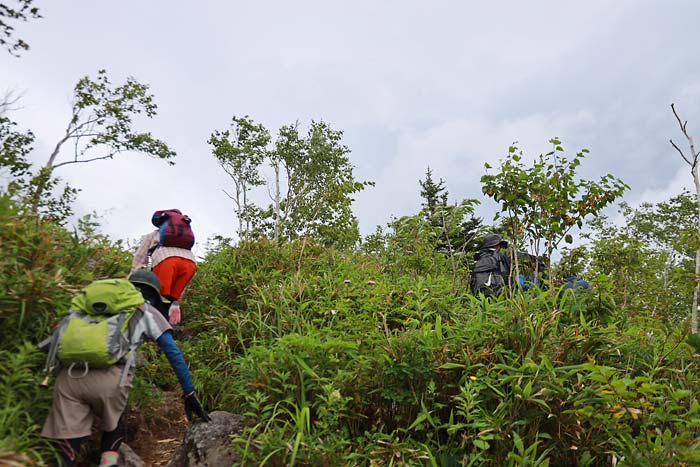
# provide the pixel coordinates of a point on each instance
(208, 444)
(90, 454)
(128, 458)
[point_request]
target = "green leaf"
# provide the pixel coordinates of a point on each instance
(451, 366)
(481, 444)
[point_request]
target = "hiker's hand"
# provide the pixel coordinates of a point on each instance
(192, 406)
(174, 314)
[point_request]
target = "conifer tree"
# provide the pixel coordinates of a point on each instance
(435, 194)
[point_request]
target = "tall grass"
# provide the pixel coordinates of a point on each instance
(341, 362)
(337, 358)
(41, 266)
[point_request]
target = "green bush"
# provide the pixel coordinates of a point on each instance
(42, 265)
(337, 358)
(23, 405)
(337, 361)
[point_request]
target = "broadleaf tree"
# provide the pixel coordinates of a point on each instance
(319, 186)
(101, 126)
(648, 257)
(240, 151)
(545, 200)
(312, 181)
(15, 147)
(12, 12)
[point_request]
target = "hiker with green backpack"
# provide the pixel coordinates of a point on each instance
(94, 349)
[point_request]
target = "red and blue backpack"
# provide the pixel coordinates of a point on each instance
(174, 228)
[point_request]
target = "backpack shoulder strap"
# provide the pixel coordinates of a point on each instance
(130, 358)
(52, 341)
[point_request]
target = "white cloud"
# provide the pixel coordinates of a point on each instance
(680, 181)
(456, 151)
(445, 84)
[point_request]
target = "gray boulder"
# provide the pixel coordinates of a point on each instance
(128, 458)
(91, 454)
(208, 444)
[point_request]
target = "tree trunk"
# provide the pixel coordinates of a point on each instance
(550, 271)
(696, 289)
(513, 258)
(692, 161)
(277, 201)
(41, 186)
(240, 192)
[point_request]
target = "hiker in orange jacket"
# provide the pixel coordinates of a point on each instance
(170, 250)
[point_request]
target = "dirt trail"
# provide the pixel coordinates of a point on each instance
(156, 437)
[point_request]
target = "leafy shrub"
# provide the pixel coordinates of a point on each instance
(42, 265)
(337, 361)
(23, 406)
(336, 358)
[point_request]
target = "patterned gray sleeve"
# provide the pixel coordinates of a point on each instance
(151, 324)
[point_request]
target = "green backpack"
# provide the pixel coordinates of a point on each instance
(94, 331)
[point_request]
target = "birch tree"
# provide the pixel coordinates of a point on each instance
(240, 151)
(318, 186)
(312, 186)
(691, 158)
(101, 127)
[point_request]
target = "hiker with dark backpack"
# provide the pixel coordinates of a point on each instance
(169, 248)
(491, 273)
(94, 349)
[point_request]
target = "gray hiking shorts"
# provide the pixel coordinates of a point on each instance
(77, 400)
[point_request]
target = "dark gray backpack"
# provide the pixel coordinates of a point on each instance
(487, 275)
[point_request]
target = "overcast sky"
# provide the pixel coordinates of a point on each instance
(445, 84)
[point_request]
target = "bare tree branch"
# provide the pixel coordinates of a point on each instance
(681, 124)
(80, 161)
(76, 148)
(680, 152)
(8, 101)
(226, 193)
(77, 128)
(57, 149)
